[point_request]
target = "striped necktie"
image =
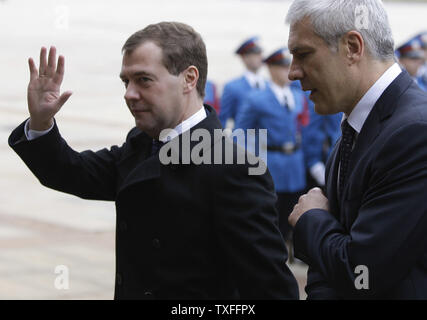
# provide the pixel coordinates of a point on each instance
(346, 146)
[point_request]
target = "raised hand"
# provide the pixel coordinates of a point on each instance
(43, 94)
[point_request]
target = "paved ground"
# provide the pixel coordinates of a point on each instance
(31, 251)
(41, 229)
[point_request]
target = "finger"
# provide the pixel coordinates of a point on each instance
(64, 97)
(43, 63)
(315, 190)
(51, 65)
(33, 69)
(291, 218)
(295, 208)
(59, 75)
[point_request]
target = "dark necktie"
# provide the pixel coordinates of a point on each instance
(257, 86)
(285, 101)
(346, 146)
(156, 147)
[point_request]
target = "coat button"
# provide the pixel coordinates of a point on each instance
(123, 226)
(119, 279)
(156, 243)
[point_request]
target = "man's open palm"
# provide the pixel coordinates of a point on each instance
(44, 98)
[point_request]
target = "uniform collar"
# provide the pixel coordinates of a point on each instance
(282, 92)
(254, 78)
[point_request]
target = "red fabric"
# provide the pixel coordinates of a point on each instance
(304, 116)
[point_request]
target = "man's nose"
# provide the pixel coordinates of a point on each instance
(131, 92)
(295, 72)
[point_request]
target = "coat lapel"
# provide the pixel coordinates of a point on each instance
(332, 179)
(382, 110)
(144, 167)
(245, 83)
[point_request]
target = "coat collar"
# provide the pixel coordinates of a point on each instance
(150, 167)
(209, 124)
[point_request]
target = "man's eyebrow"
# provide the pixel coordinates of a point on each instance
(137, 74)
(300, 48)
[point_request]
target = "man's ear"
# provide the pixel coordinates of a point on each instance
(354, 46)
(191, 76)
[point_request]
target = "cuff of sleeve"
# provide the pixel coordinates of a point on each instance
(310, 232)
(34, 134)
(299, 235)
(18, 139)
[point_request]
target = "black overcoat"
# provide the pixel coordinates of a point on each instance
(184, 231)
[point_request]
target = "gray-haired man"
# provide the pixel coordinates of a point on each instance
(366, 237)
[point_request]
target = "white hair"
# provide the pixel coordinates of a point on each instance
(331, 19)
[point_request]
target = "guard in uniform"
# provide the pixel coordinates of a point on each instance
(411, 58)
(211, 96)
(236, 91)
(282, 110)
(422, 72)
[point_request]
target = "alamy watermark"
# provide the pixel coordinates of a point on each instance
(216, 149)
(361, 14)
(62, 17)
(361, 282)
(62, 281)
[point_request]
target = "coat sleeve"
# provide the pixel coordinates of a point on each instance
(388, 234)
(88, 174)
(248, 115)
(317, 287)
(246, 224)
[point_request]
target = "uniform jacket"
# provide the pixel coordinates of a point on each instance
(322, 129)
(380, 221)
(262, 110)
(183, 231)
(211, 96)
(233, 96)
(421, 81)
(422, 77)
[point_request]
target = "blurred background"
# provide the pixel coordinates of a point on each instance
(41, 229)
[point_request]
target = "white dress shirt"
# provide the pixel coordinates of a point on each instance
(33, 134)
(360, 113)
(184, 126)
(254, 78)
(283, 95)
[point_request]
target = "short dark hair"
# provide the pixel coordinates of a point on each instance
(181, 45)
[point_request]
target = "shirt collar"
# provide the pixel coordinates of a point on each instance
(361, 112)
(254, 78)
(282, 92)
(185, 125)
